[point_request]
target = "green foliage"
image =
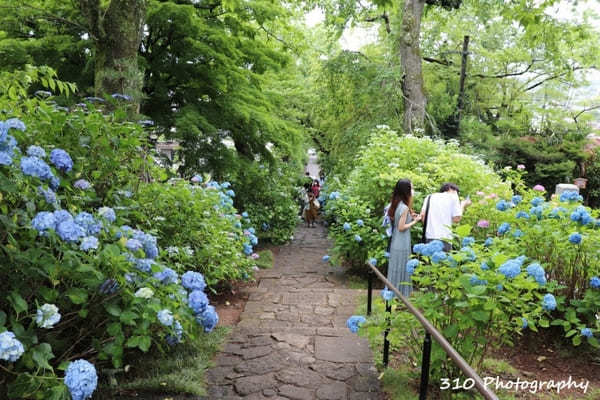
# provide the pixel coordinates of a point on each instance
(190, 228)
(387, 158)
(265, 260)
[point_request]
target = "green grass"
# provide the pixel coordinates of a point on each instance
(493, 367)
(181, 371)
(265, 259)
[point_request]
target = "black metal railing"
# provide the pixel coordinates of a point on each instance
(430, 331)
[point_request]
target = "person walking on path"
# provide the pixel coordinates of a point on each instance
(439, 211)
(400, 211)
(315, 188)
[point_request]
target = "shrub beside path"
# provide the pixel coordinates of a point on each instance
(292, 341)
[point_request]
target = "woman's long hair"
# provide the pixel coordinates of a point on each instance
(402, 192)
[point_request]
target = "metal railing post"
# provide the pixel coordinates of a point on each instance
(369, 292)
(425, 366)
(386, 342)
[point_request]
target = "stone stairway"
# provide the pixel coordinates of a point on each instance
(292, 341)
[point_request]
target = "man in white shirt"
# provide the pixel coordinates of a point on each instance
(445, 208)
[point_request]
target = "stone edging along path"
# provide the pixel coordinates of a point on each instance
(292, 341)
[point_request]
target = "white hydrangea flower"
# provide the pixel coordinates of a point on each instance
(47, 316)
(144, 293)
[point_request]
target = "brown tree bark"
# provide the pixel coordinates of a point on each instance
(117, 32)
(410, 58)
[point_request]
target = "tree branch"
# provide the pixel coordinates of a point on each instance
(555, 77)
(436, 61)
(384, 17)
(506, 75)
(597, 106)
(51, 17)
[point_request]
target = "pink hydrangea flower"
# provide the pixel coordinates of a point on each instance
(539, 188)
(483, 223)
(246, 232)
(480, 193)
(520, 167)
(255, 256)
(491, 196)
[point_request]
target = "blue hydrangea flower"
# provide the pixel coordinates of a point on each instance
(570, 196)
(43, 221)
(15, 123)
(595, 282)
(418, 248)
(265, 226)
(120, 96)
(549, 302)
(248, 249)
(334, 195)
(360, 222)
(373, 261)
(208, 318)
(5, 158)
(387, 294)
(252, 230)
(484, 266)
(386, 254)
(326, 258)
(47, 316)
(61, 160)
(467, 241)
(518, 233)
(196, 179)
(438, 256)
(502, 229)
(581, 215)
(225, 185)
(522, 214)
(33, 166)
(354, 322)
(54, 182)
(62, 215)
(537, 211)
(167, 276)
(433, 247)
(475, 281)
(172, 340)
(36, 151)
(469, 252)
(11, 349)
(146, 123)
(69, 231)
(525, 324)
(587, 332)
(499, 287)
(244, 214)
(109, 286)
(537, 201)
(411, 265)
(88, 243)
(575, 238)
(144, 264)
(346, 226)
(537, 272)
(88, 223)
(488, 242)
(48, 194)
(510, 268)
(502, 205)
(165, 317)
(108, 214)
(516, 199)
(197, 301)
(357, 238)
(81, 379)
(193, 280)
(230, 193)
(133, 245)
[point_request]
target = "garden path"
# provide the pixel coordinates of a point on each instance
(292, 341)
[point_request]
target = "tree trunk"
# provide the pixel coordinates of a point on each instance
(410, 58)
(117, 32)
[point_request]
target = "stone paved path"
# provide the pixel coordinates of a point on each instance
(292, 341)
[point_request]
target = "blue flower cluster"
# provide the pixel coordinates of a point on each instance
(522, 214)
(167, 276)
(11, 349)
(524, 323)
(469, 253)
(516, 199)
(177, 336)
(357, 238)
(81, 379)
(537, 201)
(488, 242)
(512, 267)
(61, 160)
(373, 261)
(438, 257)
(411, 265)
(165, 317)
(502, 205)
(208, 318)
(537, 272)
(595, 282)
(571, 196)
(518, 233)
(360, 222)
(468, 240)
(587, 332)
(326, 258)
(8, 143)
(89, 243)
(575, 238)
(549, 302)
(88, 223)
(354, 322)
(334, 195)
(193, 280)
(197, 301)
(581, 215)
(537, 211)
(108, 214)
(555, 213)
(475, 281)
(347, 226)
(503, 228)
(387, 294)
(484, 266)
(428, 249)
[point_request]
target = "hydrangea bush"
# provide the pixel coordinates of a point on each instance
(86, 278)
